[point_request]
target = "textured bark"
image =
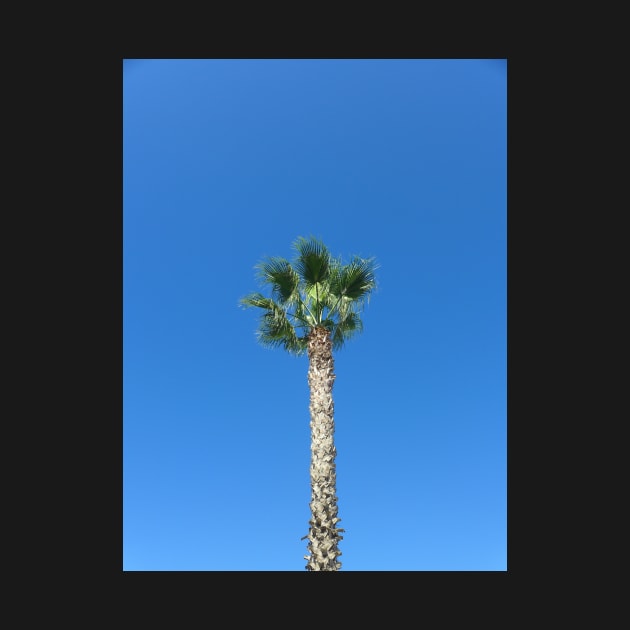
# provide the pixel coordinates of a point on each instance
(323, 534)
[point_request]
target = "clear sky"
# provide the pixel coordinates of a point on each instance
(227, 161)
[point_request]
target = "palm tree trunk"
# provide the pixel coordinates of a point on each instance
(323, 534)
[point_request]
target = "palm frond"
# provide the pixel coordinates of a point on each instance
(283, 279)
(276, 330)
(345, 329)
(257, 300)
(355, 280)
(313, 261)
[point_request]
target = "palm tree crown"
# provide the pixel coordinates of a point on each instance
(316, 291)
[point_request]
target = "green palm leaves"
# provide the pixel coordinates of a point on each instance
(316, 290)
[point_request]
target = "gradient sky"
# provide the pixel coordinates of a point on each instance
(226, 161)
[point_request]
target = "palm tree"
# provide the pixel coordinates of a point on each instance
(314, 307)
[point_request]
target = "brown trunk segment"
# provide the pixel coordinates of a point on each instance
(323, 534)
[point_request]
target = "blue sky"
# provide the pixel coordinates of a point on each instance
(227, 161)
